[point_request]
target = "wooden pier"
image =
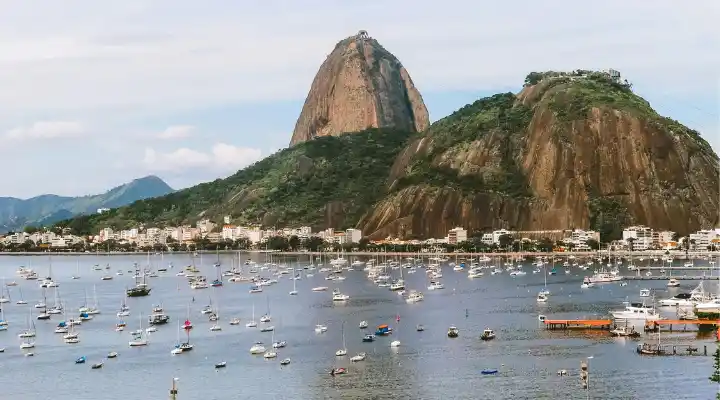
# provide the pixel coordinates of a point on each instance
(667, 277)
(654, 349)
(565, 324)
(655, 326)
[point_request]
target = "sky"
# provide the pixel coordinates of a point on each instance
(96, 93)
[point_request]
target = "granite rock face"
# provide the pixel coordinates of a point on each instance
(359, 86)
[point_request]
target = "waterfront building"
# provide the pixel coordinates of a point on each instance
(642, 237)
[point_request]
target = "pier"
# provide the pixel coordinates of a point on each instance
(667, 277)
(667, 324)
(565, 324)
(654, 349)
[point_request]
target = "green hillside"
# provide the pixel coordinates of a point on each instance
(326, 182)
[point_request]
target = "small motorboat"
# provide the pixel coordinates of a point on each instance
(97, 366)
(267, 329)
(419, 328)
(279, 344)
(673, 283)
(285, 361)
(363, 324)
(29, 354)
(2, 349)
(80, 360)
(270, 354)
(221, 364)
(235, 321)
(489, 371)
(562, 372)
(358, 357)
(487, 334)
(112, 354)
(368, 338)
(338, 371)
(624, 331)
(320, 328)
(453, 332)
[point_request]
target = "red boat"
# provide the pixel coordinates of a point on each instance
(338, 371)
(187, 325)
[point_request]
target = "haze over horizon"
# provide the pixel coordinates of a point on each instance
(96, 95)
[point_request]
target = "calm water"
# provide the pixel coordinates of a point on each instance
(427, 366)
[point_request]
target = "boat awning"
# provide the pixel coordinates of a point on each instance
(383, 327)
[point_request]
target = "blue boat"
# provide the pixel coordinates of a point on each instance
(462, 265)
(216, 283)
(489, 371)
(383, 330)
(553, 271)
(80, 360)
(62, 324)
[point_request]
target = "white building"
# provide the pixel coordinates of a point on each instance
(457, 235)
(102, 210)
(353, 235)
(642, 237)
(254, 235)
(703, 239)
(579, 239)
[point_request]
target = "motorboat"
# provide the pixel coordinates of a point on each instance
(265, 318)
(112, 354)
(383, 330)
(358, 357)
(712, 306)
(257, 348)
(453, 332)
(435, 285)
(637, 311)
(285, 361)
(97, 365)
(340, 297)
(270, 354)
(320, 289)
(363, 324)
(419, 328)
(414, 297)
(234, 321)
(491, 371)
(368, 338)
(279, 344)
(587, 283)
(625, 331)
(395, 343)
(542, 297)
(487, 334)
(320, 328)
(80, 360)
(221, 364)
(605, 277)
(673, 283)
(680, 299)
(398, 285)
(267, 329)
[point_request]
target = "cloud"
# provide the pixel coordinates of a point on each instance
(47, 130)
(222, 158)
(177, 132)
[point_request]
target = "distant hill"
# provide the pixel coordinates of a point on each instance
(47, 209)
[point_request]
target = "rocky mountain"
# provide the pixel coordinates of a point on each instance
(570, 150)
(47, 209)
(327, 182)
(577, 150)
(359, 86)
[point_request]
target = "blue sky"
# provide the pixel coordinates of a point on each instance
(96, 93)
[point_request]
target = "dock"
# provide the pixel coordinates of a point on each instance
(655, 326)
(653, 349)
(565, 324)
(667, 277)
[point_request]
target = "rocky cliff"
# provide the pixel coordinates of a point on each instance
(576, 150)
(360, 85)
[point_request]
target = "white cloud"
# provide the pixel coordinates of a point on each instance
(47, 130)
(222, 158)
(177, 132)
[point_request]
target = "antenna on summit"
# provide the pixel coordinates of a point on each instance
(362, 35)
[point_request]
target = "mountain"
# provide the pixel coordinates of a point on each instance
(571, 150)
(359, 86)
(327, 182)
(48, 209)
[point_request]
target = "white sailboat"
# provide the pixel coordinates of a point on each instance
(77, 272)
(28, 334)
(3, 323)
(22, 299)
(124, 309)
(294, 292)
(266, 317)
(271, 353)
(252, 323)
(342, 351)
(71, 337)
(3, 289)
(216, 325)
(396, 343)
(139, 337)
(95, 309)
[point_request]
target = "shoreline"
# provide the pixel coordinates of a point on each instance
(623, 253)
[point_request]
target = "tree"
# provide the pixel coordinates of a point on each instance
(294, 242)
(715, 377)
(631, 243)
(363, 244)
(313, 243)
(592, 244)
(533, 78)
(545, 245)
(505, 240)
(278, 243)
(242, 243)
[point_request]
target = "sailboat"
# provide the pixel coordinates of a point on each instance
(252, 323)
(57, 306)
(271, 353)
(3, 323)
(94, 309)
(216, 325)
(28, 334)
(294, 292)
(44, 314)
(3, 298)
(188, 325)
(22, 300)
(396, 343)
(139, 338)
(71, 337)
(545, 291)
(77, 273)
(124, 309)
(266, 316)
(342, 351)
